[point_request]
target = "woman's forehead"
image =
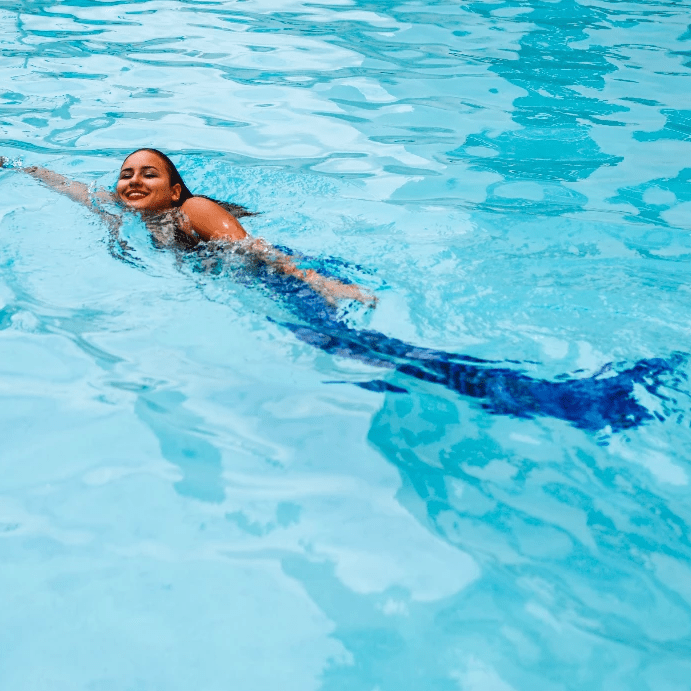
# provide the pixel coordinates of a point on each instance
(143, 159)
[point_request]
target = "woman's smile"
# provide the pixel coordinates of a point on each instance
(135, 194)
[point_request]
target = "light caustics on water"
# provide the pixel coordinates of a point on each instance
(482, 484)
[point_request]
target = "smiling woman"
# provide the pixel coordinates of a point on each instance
(150, 184)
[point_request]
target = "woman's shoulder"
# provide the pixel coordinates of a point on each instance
(210, 220)
(235, 210)
(200, 204)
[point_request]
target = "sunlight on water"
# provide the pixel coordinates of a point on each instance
(481, 485)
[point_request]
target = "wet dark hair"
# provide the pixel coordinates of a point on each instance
(185, 194)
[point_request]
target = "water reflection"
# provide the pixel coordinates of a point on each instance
(182, 443)
(552, 144)
(571, 539)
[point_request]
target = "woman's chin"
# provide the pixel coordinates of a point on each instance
(137, 204)
(144, 204)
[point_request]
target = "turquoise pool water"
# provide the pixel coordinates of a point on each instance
(194, 497)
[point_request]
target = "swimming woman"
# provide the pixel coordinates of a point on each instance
(150, 184)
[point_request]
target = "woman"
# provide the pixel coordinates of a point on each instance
(149, 183)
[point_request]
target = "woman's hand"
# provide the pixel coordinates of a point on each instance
(332, 290)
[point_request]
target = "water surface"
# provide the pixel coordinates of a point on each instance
(189, 501)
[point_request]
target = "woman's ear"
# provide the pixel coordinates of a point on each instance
(175, 192)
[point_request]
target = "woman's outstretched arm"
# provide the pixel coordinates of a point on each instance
(211, 222)
(329, 288)
(77, 191)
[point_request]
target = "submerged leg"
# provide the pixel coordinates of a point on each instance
(590, 403)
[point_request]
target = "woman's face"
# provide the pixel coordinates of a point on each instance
(144, 183)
